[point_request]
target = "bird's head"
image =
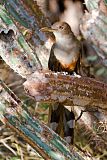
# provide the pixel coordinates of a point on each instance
(58, 28)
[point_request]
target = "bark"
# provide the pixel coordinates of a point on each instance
(46, 142)
(91, 128)
(94, 27)
(57, 87)
(29, 21)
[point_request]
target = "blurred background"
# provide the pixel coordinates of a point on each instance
(13, 147)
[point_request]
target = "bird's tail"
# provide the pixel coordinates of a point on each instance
(61, 120)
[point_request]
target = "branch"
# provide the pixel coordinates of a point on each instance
(57, 87)
(31, 20)
(23, 53)
(94, 27)
(46, 142)
(90, 128)
(96, 4)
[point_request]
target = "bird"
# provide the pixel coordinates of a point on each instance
(65, 56)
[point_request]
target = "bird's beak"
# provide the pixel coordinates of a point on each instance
(46, 29)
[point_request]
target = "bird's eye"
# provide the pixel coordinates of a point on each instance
(61, 27)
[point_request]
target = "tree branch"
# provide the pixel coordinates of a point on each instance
(90, 130)
(82, 91)
(94, 27)
(46, 142)
(31, 20)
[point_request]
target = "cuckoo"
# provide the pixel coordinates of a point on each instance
(64, 57)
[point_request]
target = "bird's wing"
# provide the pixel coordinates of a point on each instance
(77, 68)
(53, 63)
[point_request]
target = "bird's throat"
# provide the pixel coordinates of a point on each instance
(63, 40)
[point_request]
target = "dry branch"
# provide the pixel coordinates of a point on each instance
(94, 27)
(46, 142)
(90, 128)
(29, 21)
(57, 87)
